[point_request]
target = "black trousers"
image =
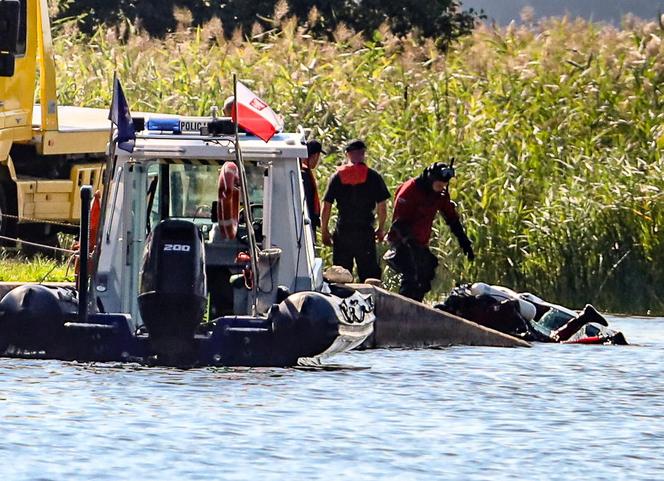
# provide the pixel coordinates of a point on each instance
(358, 245)
(417, 266)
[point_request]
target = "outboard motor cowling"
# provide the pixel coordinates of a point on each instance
(172, 293)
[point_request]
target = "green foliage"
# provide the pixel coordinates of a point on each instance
(554, 130)
(440, 19)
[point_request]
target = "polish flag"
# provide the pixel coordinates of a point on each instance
(254, 115)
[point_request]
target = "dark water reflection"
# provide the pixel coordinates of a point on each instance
(551, 412)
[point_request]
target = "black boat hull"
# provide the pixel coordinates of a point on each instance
(306, 324)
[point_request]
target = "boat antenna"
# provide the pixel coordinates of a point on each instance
(248, 216)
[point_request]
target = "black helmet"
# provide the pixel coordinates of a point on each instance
(439, 171)
(436, 171)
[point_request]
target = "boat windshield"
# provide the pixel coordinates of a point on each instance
(192, 188)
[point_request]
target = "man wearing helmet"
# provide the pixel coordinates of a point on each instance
(415, 206)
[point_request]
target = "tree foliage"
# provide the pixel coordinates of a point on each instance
(443, 20)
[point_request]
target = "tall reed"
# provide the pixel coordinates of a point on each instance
(554, 128)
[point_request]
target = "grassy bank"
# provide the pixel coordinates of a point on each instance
(37, 269)
(554, 128)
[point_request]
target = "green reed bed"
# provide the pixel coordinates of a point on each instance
(554, 128)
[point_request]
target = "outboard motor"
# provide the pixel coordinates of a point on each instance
(172, 294)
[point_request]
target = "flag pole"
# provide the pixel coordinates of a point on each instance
(251, 235)
(106, 187)
(112, 143)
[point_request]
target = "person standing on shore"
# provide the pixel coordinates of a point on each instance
(228, 106)
(307, 166)
(361, 196)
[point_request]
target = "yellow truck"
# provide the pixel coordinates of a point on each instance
(47, 151)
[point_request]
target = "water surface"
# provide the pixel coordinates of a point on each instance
(462, 413)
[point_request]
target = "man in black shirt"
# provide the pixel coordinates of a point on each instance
(307, 166)
(358, 191)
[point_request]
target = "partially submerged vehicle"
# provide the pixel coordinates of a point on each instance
(183, 272)
(527, 316)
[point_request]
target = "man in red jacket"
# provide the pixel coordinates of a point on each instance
(416, 204)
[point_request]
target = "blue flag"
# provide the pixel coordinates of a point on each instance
(121, 117)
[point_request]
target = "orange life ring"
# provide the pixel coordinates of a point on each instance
(95, 216)
(228, 205)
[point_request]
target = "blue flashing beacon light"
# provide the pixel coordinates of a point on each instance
(164, 124)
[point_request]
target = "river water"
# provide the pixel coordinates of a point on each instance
(462, 413)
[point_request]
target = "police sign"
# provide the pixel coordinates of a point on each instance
(193, 124)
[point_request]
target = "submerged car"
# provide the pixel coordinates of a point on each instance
(527, 316)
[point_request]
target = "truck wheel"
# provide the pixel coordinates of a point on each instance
(7, 224)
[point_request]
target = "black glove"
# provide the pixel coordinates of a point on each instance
(468, 250)
(464, 242)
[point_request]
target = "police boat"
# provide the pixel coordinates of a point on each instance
(200, 253)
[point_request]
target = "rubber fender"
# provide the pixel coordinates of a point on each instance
(306, 322)
(32, 317)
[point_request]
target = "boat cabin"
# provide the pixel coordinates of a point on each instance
(174, 176)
